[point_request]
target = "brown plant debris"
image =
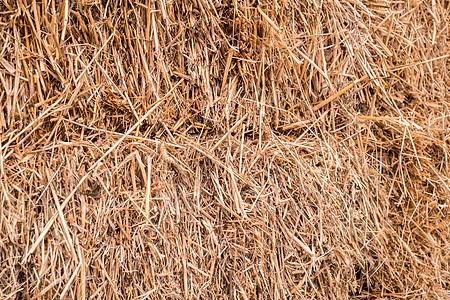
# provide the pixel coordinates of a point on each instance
(224, 149)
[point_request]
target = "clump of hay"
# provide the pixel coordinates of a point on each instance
(224, 149)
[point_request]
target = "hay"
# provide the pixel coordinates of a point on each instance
(224, 149)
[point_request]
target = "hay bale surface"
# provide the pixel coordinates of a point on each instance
(224, 149)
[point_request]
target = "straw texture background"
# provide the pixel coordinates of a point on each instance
(224, 149)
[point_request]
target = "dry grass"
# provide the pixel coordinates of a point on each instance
(224, 149)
